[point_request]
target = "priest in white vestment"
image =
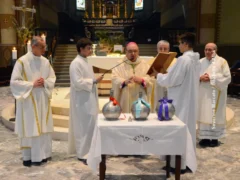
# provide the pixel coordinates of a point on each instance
(32, 82)
(159, 92)
(130, 78)
(214, 79)
(83, 102)
(182, 81)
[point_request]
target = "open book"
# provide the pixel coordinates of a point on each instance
(161, 62)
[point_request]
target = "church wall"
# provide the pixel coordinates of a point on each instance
(178, 13)
(48, 10)
(229, 22)
(207, 21)
(146, 12)
(48, 18)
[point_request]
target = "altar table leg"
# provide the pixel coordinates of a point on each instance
(178, 167)
(168, 158)
(102, 168)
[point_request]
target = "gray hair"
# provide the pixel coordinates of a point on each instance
(215, 47)
(35, 40)
(163, 42)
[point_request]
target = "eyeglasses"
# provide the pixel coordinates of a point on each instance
(163, 49)
(132, 51)
(209, 50)
(41, 47)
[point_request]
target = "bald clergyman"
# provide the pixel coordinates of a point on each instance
(214, 79)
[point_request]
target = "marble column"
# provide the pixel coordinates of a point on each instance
(207, 21)
(7, 32)
(8, 37)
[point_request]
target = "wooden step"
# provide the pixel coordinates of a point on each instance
(63, 73)
(61, 68)
(67, 55)
(63, 60)
(62, 84)
(61, 63)
(63, 76)
(63, 80)
(66, 51)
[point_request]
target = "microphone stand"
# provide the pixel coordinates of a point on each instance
(113, 67)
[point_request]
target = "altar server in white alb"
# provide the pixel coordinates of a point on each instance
(83, 102)
(214, 77)
(32, 83)
(182, 82)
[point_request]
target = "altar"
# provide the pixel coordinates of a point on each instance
(150, 137)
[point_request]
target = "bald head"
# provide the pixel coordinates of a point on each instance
(163, 46)
(210, 50)
(212, 45)
(132, 51)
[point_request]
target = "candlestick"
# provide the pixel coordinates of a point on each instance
(43, 37)
(94, 49)
(29, 48)
(93, 10)
(125, 8)
(14, 53)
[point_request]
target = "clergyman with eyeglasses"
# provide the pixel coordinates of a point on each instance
(130, 78)
(160, 92)
(32, 83)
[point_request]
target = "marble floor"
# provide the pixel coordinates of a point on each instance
(219, 163)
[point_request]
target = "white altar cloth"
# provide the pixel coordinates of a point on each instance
(151, 137)
(107, 62)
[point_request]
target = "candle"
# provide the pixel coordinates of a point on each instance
(43, 37)
(14, 53)
(29, 48)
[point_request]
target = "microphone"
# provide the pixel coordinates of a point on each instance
(113, 67)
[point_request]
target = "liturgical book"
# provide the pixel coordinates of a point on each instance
(161, 62)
